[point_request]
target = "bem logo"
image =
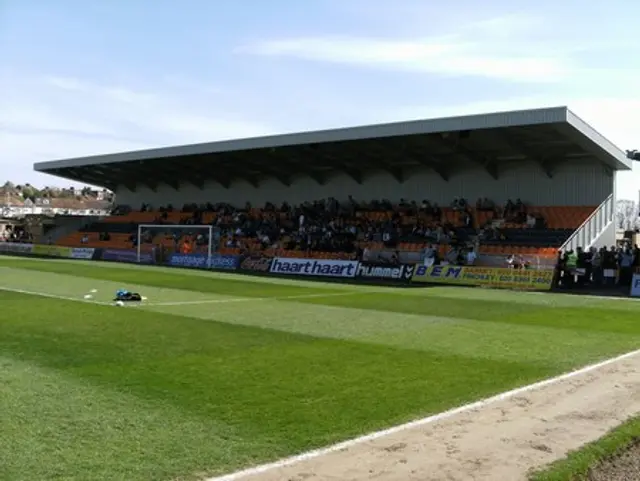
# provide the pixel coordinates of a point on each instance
(262, 264)
(439, 271)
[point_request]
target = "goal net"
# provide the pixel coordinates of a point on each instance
(187, 245)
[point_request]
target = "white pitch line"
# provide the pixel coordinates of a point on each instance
(54, 296)
(181, 303)
(241, 299)
(263, 468)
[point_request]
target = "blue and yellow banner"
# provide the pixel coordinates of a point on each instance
(487, 277)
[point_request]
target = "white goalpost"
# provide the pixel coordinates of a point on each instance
(173, 237)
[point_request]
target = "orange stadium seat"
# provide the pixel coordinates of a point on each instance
(558, 218)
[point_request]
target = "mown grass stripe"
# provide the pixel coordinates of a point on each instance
(237, 476)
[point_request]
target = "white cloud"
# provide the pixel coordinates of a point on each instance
(445, 56)
(21, 150)
(494, 48)
(505, 26)
(32, 117)
(57, 117)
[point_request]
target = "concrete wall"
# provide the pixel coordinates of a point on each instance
(573, 184)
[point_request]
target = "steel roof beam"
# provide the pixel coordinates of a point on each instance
(353, 172)
(153, 186)
(299, 166)
(321, 179)
(195, 180)
(454, 142)
(252, 180)
(290, 167)
(89, 176)
(281, 177)
(437, 167)
(434, 163)
(546, 164)
(223, 181)
(395, 171)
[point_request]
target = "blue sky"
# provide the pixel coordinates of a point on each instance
(80, 78)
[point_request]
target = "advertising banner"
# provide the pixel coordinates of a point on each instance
(16, 247)
(256, 264)
(126, 255)
(52, 251)
(200, 261)
(82, 252)
(314, 267)
(219, 261)
(370, 270)
(487, 277)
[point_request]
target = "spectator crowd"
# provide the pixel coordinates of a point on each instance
(449, 235)
(604, 267)
(332, 226)
(15, 233)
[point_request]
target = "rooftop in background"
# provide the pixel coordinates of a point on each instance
(547, 136)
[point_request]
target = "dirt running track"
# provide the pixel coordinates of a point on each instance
(501, 441)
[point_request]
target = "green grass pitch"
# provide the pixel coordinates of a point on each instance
(216, 372)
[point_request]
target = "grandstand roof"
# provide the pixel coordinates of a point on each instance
(547, 136)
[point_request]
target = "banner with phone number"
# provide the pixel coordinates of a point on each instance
(487, 277)
(52, 251)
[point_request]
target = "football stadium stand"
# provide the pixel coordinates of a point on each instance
(522, 183)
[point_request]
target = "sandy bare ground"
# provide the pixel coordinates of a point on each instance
(500, 441)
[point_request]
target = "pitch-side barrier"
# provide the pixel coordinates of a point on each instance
(327, 269)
